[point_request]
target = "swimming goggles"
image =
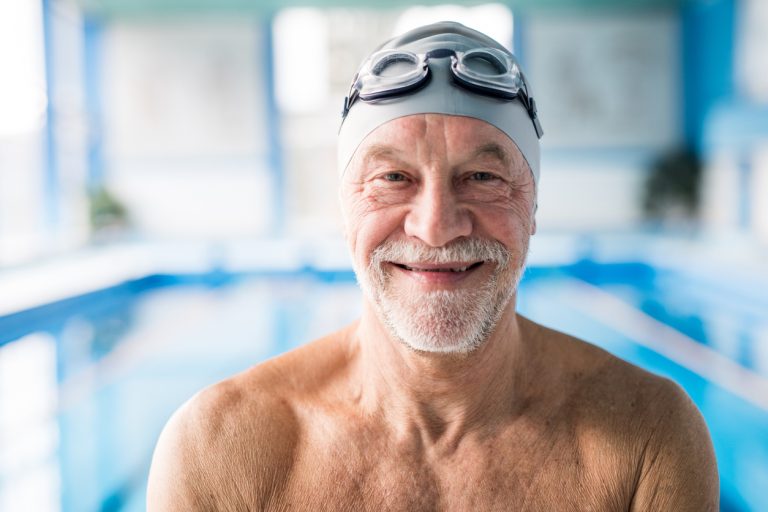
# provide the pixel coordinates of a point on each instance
(487, 71)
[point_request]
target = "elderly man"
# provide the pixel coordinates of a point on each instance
(441, 397)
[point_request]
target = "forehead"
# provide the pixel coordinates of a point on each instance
(438, 136)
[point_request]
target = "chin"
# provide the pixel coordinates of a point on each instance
(443, 322)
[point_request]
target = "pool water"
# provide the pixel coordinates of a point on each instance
(87, 384)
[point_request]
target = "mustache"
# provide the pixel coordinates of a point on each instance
(466, 249)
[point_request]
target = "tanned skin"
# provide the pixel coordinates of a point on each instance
(531, 420)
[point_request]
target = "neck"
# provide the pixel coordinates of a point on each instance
(440, 397)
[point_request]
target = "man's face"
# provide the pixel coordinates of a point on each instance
(438, 211)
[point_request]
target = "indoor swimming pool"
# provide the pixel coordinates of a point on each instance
(87, 383)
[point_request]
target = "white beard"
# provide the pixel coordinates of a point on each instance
(443, 321)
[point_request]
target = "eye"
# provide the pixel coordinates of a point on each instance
(482, 176)
(394, 176)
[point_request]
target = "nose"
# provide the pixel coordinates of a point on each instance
(436, 217)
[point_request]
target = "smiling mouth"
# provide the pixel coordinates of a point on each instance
(443, 269)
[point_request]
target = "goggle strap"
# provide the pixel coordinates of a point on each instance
(537, 126)
(534, 113)
(348, 101)
(345, 107)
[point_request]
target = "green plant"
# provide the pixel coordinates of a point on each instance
(673, 185)
(105, 210)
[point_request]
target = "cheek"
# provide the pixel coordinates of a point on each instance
(361, 200)
(523, 208)
(522, 214)
(367, 223)
(516, 197)
(515, 210)
(510, 221)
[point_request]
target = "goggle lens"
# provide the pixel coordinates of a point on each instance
(483, 64)
(395, 65)
(389, 73)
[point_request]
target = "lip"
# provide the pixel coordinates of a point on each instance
(438, 273)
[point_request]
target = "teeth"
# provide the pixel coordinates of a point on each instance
(459, 269)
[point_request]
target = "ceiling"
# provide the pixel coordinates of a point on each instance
(131, 8)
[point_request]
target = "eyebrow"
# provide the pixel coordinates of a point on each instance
(495, 150)
(386, 152)
(380, 151)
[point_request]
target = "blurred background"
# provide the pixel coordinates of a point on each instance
(168, 209)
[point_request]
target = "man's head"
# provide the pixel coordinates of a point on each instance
(438, 209)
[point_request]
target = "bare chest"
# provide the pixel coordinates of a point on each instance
(554, 471)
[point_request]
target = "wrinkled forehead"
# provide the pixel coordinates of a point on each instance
(437, 137)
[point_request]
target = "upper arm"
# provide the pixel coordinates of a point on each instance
(177, 476)
(678, 470)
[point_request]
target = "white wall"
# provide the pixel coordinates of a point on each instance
(605, 80)
(186, 126)
(590, 194)
(22, 116)
(607, 88)
(22, 221)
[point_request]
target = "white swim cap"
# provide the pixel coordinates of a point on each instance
(443, 68)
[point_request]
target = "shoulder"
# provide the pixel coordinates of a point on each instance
(649, 401)
(650, 419)
(678, 469)
(587, 372)
(231, 446)
(235, 432)
(610, 386)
